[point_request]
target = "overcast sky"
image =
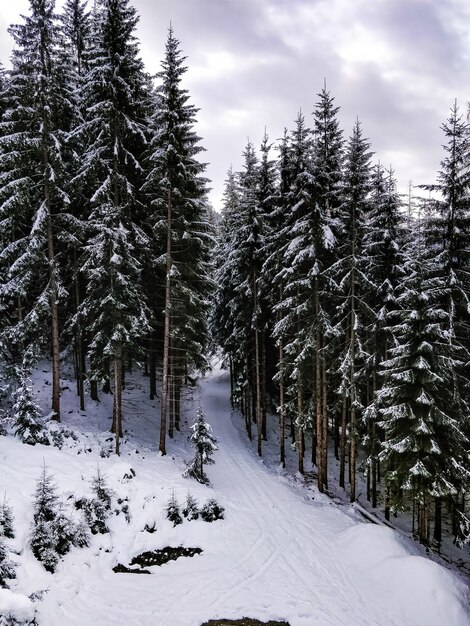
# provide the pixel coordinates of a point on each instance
(398, 65)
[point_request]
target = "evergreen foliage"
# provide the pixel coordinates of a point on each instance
(26, 412)
(190, 510)
(212, 511)
(52, 533)
(173, 510)
(6, 520)
(7, 567)
(203, 440)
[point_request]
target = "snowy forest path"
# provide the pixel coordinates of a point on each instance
(284, 541)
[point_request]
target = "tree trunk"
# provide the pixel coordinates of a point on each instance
(342, 443)
(438, 521)
(117, 408)
(79, 337)
(298, 431)
(166, 334)
(152, 358)
(324, 423)
(282, 412)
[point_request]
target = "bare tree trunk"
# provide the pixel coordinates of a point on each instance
(263, 385)
(282, 412)
(166, 333)
(117, 408)
(324, 423)
(342, 443)
(438, 521)
(318, 414)
(79, 337)
(259, 416)
(152, 369)
(298, 431)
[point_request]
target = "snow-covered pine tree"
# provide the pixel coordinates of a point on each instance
(76, 31)
(352, 287)
(173, 510)
(383, 245)
(46, 510)
(448, 234)
(222, 322)
(114, 309)
(176, 190)
(26, 411)
(97, 510)
(6, 520)
(297, 254)
(425, 449)
(203, 440)
(33, 203)
(190, 510)
(327, 172)
(7, 567)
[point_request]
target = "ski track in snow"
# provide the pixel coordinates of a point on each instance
(277, 555)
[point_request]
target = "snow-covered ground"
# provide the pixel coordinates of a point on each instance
(282, 552)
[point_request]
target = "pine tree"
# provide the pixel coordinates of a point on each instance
(6, 520)
(203, 440)
(33, 203)
(46, 509)
(173, 510)
(424, 446)
(190, 511)
(352, 285)
(97, 510)
(26, 411)
(383, 244)
(114, 309)
(7, 567)
(212, 511)
(176, 189)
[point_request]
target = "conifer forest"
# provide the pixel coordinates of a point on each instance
(337, 307)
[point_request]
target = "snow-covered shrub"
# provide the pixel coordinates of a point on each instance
(6, 520)
(173, 511)
(203, 440)
(190, 510)
(98, 508)
(26, 411)
(212, 511)
(7, 567)
(53, 533)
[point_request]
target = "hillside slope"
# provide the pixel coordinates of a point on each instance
(278, 554)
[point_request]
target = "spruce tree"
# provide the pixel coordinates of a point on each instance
(33, 214)
(7, 567)
(114, 308)
(351, 283)
(26, 411)
(203, 440)
(176, 190)
(424, 448)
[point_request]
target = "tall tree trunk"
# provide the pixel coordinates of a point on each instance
(438, 521)
(166, 333)
(324, 422)
(152, 358)
(342, 442)
(117, 408)
(298, 431)
(79, 336)
(259, 416)
(282, 411)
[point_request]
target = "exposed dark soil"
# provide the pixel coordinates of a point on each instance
(154, 557)
(245, 621)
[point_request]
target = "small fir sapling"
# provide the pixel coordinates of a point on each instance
(190, 510)
(26, 412)
(44, 539)
(97, 510)
(212, 511)
(6, 520)
(203, 440)
(7, 567)
(173, 511)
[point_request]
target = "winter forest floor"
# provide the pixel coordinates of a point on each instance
(284, 552)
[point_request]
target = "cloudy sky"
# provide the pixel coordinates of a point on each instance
(398, 65)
